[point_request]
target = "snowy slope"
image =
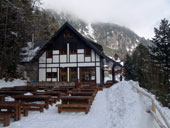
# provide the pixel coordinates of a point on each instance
(117, 107)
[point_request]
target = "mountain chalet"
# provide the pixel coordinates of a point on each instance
(69, 57)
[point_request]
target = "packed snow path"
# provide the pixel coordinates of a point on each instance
(117, 107)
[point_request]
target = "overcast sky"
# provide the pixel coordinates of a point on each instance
(141, 16)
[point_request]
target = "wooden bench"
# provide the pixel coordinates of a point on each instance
(92, 94)
(11, 107)
(33, 107)
(5, 118)
(24, 110)
(76, 100)
(73, 108)
(33, 98)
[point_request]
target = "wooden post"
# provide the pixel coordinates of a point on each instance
(153, 107)
(113, 73)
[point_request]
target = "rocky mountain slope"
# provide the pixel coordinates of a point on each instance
(113, 38)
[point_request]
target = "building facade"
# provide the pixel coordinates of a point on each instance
(70, 57)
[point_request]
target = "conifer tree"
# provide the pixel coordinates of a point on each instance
(128, 67)
(160, 51)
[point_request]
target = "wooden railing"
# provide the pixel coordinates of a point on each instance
(155, 108)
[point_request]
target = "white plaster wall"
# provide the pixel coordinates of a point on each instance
(48, 69)
(52, 65)
(42, 65)
(97, 63)
(54, 69)
(48, 79)
(98, 75)
(54, 79)
(80, 50)
(63, 58)
(81, 58)
(97, 58)
(49, 60)
(42, 59)
(73, 58)
(87, 59)
(55, 58)
(86, 64)
(68, 65)
(42, 74)
(55, 51)
(93, 55)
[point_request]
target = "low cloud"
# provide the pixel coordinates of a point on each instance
(141, 16)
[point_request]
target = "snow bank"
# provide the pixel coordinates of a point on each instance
(162, 110)
(126, 108)
(15, 82)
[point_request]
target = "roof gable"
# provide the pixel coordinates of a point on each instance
(96, 47)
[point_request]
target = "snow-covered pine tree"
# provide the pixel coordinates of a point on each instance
(160, 50)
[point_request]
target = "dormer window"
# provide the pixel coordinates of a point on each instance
(49, 54)
(87, 52)
(67, 35)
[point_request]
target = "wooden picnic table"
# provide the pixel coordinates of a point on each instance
(12, 106)
(9, 93)
(52, 93)
(44, 87)
(24, 88)
(76, 99)
(2, 98)
(67, 87)
(63, 90)
(75, 103)
(82, 94)
(6, 89)
(85, 90)
(33, 98)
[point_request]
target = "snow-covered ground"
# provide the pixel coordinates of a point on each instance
(117, 107)
(15, 82)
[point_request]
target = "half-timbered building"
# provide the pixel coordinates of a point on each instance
(70, 57)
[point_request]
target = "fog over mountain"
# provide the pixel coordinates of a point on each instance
(113, 38)
(141, 16)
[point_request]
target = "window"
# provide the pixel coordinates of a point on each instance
(63, 52)
(87, 52)
(48, 75)
(87, 74)
(49, 54)
(63, 74)
(51, 75)
(73, 74)
(73, 51)
(67, 35)
(54, 74)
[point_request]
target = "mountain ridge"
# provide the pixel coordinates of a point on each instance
(114, 38)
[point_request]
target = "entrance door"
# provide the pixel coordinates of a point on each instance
(63, 74)
(73, 74)
(88, 74)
